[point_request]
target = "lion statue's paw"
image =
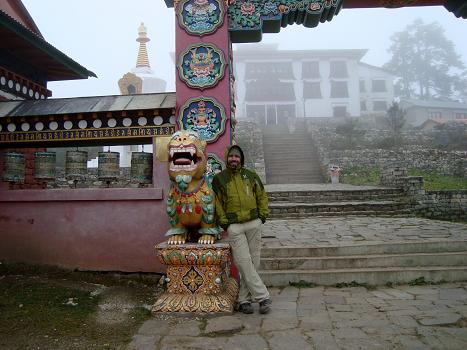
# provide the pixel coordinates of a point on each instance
(206, 239)
(177, 239)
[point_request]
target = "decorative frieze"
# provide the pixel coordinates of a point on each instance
(249, 19)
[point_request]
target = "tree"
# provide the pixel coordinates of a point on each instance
(395, 120)
(349, 131)
(426, 62)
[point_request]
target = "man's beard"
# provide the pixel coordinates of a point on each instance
(234, 165)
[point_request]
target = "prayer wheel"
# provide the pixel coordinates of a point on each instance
(141, 167)
(14, 167)
(76, 165)
(108, 166)
(44, 165)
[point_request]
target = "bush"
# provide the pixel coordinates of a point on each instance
(360, 175)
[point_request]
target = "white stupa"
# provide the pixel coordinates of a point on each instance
(141, 79)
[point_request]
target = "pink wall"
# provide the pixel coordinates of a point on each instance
(95, 229)
(108, 229)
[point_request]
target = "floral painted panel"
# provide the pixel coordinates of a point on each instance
(199, 17)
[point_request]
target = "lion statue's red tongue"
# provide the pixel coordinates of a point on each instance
(182, 161)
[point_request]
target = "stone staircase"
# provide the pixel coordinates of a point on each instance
(295, 204)
(290, 157)
(373, 264)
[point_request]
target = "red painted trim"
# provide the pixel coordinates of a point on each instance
(24, 81)
(81, 194)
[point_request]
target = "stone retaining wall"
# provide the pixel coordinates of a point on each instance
(452, 163)
(445, 205)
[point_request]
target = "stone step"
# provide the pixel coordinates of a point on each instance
(344, 206)
(293, 180)
(335, 198)
(334, 195)
(415, 247)
(371, 276)
(291, 171)
(296, 162)
(379, 213)
(365, 261)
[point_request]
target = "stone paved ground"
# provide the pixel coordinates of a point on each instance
(348, 230)
(402, 317)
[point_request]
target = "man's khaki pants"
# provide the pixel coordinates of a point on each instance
(245, 240)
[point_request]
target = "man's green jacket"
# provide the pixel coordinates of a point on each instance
(240, 195)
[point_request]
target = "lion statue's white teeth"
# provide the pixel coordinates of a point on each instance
(190, 202)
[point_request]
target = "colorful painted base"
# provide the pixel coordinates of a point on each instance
(198, 279)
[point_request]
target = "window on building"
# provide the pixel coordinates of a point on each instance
(338, 69)
(461, 115)
(339, 111)
(256, 70)
(312, 90)
(378, 85)
(131, 89)
(271, 115)
(363, 105)
(339, 89)
(379, 106)
(285, 111)
(310, 70)
(434, 115)
(362, 86)
(269, 90)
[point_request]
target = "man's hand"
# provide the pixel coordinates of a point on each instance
(206, 239)
(177, 239)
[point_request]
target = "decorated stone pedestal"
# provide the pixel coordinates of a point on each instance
(198, 279)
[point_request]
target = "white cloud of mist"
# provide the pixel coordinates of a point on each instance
(101, 36)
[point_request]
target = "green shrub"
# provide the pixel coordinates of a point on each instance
(439, 182)
(360, 175)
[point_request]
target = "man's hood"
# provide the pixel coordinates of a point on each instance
(242, 156)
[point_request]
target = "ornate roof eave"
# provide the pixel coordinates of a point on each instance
(36, 51)
(248, 20)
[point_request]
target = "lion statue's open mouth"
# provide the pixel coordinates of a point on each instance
(183, 158)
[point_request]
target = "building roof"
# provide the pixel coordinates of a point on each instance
(26, 43)
(93, 104)
(433, 104)
(377, 68)
(258, 52)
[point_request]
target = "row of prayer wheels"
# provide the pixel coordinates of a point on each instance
(108, 168)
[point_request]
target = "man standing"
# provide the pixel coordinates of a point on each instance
(241, 208)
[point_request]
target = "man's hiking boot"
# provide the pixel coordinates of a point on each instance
(245, 307)
(265, 306)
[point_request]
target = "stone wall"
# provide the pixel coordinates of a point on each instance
(249, 137)
(414, 153)
(444, 205)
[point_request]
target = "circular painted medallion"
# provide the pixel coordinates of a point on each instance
(199, 17)
(205, 116)
(201, 66)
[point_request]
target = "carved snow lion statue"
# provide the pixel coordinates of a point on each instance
(190, 203)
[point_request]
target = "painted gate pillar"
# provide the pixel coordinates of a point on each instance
(198, 275)
(203, 66)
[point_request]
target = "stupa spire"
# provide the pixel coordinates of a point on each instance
(142, 60)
